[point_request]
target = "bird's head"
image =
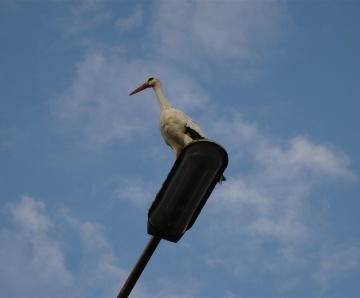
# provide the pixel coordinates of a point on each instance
(151, 82)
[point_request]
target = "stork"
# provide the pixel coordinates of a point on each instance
(177, 129)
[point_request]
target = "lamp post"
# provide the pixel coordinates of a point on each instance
(181, 198)
(139, 267)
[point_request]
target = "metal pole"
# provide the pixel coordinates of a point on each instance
(139, 267)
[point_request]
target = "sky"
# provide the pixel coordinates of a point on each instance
(276, 83)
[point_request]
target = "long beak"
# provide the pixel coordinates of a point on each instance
(142, 87)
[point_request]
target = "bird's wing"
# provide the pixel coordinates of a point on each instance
(191, 128)
(193, 133)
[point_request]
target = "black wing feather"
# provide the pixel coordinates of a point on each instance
(193, 133)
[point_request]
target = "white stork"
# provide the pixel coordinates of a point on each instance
(177, 129)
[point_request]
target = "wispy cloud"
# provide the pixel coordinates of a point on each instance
(84, 16)
(266, 199)
(337, 264)
(234, 30)
(282, 175)
(29, 254)
(133, 190)
(132, 21)
(100, 272)
(97, 103)
(34, 253)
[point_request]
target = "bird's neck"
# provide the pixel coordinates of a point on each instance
(160, 96)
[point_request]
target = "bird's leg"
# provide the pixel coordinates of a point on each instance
(177, 153)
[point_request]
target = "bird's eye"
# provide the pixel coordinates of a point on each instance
(150, 79)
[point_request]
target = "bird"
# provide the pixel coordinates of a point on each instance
(177, 129)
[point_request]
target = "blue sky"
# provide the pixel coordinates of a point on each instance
(275, 82)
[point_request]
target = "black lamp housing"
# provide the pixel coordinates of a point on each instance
(186, 189)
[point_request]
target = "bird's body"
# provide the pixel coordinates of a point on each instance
(177, 129)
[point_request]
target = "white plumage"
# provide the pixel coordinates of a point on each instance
(177, 129)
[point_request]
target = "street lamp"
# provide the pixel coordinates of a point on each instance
(181, 198)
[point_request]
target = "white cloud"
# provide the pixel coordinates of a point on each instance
(99, 265)
(34, 253)
(266, 201)
(97, 103)
(29, 215)
(29, 254)
(295, 158)
(303, 157)
(85, 15)
(98, 273)
(281, 177)
(133, 190)
(337, 264)
(235, 30)
(132, 21)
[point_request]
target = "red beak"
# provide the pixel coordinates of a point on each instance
(142, 87)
